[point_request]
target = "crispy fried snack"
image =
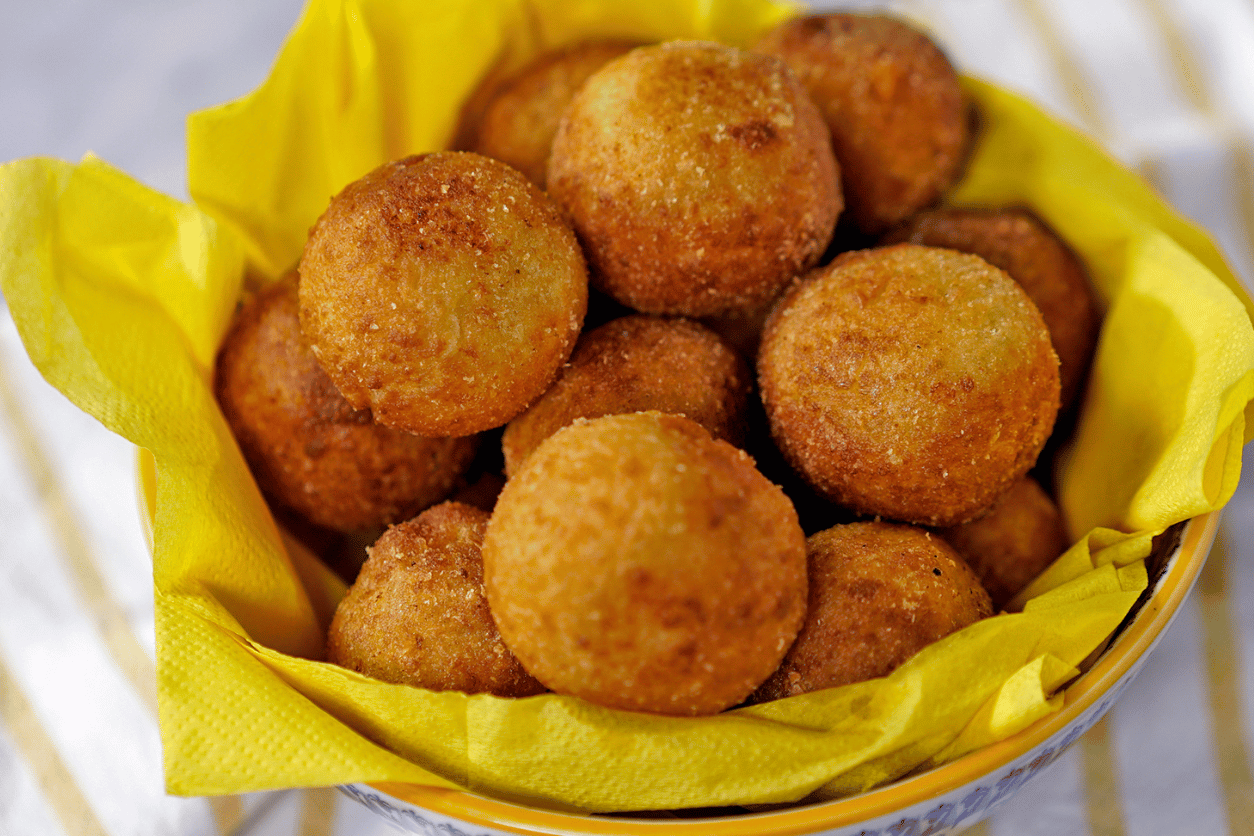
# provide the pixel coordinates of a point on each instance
(443, 291)
(910, 382)
(638, 563)
(699, 178)
(307, 448)
(879, 593)
(417, 614)
(637, 363)
(1018, 242)
(893, 103)
(521, 119)
(1014, 542)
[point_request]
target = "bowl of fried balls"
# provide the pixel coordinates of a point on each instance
(677, 387)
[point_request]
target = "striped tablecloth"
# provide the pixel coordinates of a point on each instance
(1166, 85)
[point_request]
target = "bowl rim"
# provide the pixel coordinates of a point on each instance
(1120, 658)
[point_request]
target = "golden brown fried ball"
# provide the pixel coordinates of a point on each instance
(638, 563)
(879, 593)
(893, 103)
(1014, 542)
(909, 382)
(307, 448)
(417, 613)
(699, 178)
(443, 291)
(1018, 242)
(638, 363)
(521, 120)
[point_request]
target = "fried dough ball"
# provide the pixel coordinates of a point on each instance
(443, 291)
(1014, 542)
(879, 593)
(417, 614)
(638, 363)
(893, 104)
(699, 178)
(521, 120)
(1018, 242)
(638, 563)
(307, 448)
(909, 382)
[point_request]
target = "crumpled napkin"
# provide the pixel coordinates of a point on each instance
(122, 295)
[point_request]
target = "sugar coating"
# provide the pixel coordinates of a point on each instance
(417, 614)
(442, 317)
(636, 363)
(698, 177)
(879, 593)
(1015, 240)
(638, 563)
(915, 383)
(307, 448)
(892, 102)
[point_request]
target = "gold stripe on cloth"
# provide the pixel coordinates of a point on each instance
(1074, 81)
(110, 618)
(82, 562)
(317, 811)
(1232, 736)
(1193, 83)
(1103, 803)
(50, 772)
(228, 813)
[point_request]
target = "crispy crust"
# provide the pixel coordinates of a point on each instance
(417, 614)
(698, 177)
(910, 382)
(638, 363)
(307, 448)
(1020, 536)
(521, 120)
(443, 291)
(879, 593)
(893, 103)
(638, 563)
(1018, 242)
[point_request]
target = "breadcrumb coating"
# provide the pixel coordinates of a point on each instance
(307, 448)
(909, 382)
(417, 614)
(699, 178)
(638, 563)
(520, 121)
(893, 103)
(638, 363)
(1015, 240)
(879, 593)
(443, 291)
